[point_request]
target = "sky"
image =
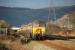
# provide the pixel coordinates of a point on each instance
(35, 4)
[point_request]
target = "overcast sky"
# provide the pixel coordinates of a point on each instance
(35, 3)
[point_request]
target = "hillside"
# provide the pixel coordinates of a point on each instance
(17, 16)
(68, 20)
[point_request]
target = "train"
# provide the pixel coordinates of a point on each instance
(35, 30)
(40, 30)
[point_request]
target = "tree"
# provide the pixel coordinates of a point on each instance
(3, 24)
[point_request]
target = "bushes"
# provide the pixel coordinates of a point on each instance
(3, 47)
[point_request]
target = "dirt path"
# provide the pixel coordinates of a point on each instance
(59, 45)
(39, 45)
(35, 45)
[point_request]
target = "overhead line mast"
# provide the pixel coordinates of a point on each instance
(49, 11)
(51, 8)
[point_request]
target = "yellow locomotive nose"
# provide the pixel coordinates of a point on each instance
(38, 30)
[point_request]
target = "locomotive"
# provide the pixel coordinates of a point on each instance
(34, 30)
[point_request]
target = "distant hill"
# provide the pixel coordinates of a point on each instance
(17, 16)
